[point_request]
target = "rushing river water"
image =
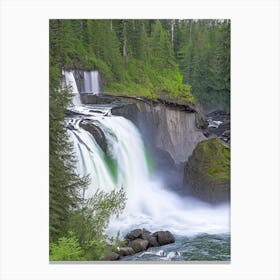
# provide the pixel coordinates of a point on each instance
(201, 247)
(201, 229)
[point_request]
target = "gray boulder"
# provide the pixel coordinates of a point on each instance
(153, 242)
(136, 233)
(164, 237)
(207, 171)
(138, 245)
(112, 256)
(126, 251)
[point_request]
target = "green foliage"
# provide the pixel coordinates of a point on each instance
(90, 221)
(137, 57)
(95, 250)
(202, 50)
(216, 156)
(134, 57)
(117, 242)
(92, 218)
(66, 249)
(64, 184)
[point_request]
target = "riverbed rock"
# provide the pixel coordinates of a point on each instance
(207, 171)
(112, 256)
(126, 251)
(153, 242)
(96, 132)
(223, 129)
(164, 237)
(136, 233)
(138, 245)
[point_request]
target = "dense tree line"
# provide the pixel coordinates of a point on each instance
(202, 49)
(175, 58)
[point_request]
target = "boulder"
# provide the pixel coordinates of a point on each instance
(207, 171)
(145, 234)
(136, 233)
(138, 245)
(153, 242)
(164, 237)
(126, 251)
(226, 133)
(112, 256)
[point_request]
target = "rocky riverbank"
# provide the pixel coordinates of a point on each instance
(140, 240)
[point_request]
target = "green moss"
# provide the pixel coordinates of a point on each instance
(216, 158)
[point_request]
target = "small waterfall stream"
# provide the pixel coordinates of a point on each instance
(89, 84)
(70, 82)
(92, 82)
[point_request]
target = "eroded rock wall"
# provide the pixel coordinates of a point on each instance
(172, 130)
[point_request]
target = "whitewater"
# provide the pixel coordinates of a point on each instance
(150, 203)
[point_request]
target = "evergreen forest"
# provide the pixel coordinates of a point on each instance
(183, 59)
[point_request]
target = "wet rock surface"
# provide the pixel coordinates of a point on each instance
(139, 240)
(219, 125)
(96, 132)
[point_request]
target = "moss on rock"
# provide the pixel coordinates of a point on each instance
(207, 171)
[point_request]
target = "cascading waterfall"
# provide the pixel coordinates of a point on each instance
(70, 82)
(91, 82)
(149, 204)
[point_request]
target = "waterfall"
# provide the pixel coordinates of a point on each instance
(70, 81)
(91, 82)
(149, 205)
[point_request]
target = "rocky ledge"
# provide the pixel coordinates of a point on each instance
(139, 240)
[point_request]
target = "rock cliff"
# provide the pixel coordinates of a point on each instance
(173, 129)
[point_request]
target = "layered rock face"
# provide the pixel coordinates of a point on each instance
(207, 172)
(173, 130)
(173, 127)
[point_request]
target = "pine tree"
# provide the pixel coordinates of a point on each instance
(64, 184)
